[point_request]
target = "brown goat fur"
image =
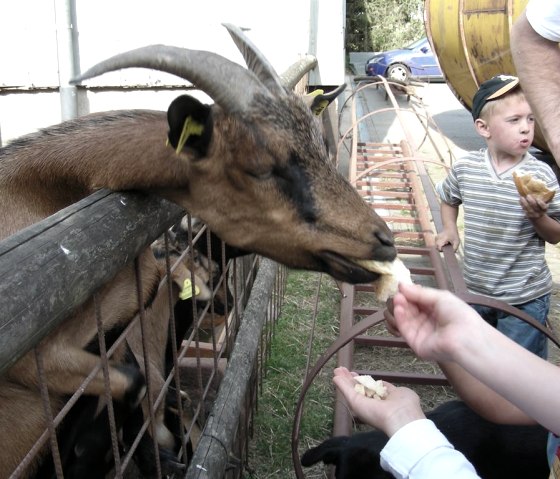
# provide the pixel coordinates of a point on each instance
(147, 340)
(66, 361)
(25, 405)
(258, 173)
(46, 171)
(286, 202)
(156, 333)
(19, 393)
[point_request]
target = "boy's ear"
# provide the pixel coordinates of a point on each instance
(481, 128)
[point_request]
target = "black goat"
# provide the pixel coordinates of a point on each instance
(496, 451)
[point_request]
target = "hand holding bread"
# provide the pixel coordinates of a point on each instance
(369, 387)
(527, 185)
(392, 272)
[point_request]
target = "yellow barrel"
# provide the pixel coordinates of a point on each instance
(471, 41)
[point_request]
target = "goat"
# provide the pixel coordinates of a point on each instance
(495, 450)
(22, 425)
(156, 334)
(257, 170)
(211, 259)
(86, 440)
(67, 363)
(253, 166)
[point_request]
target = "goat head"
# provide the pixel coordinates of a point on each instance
(254, 166)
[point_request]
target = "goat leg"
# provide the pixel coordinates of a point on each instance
(126, 382)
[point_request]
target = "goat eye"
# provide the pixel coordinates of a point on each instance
(261, 175)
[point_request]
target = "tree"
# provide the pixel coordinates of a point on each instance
(379, 25)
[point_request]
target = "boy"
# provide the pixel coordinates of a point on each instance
(504, 234)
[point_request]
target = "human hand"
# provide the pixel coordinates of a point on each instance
(446, 237)
(400, 407)
(433, 322)
(534, 207)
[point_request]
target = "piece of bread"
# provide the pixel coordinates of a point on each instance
(527, 185)
(392, 272)
(369, 387)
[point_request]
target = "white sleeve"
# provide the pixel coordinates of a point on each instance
(420, 451)
(544, 17)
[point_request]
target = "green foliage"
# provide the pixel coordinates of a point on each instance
(379, 25)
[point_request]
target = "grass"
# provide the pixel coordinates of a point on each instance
(305, 319)
(299, 324)
(302, 321)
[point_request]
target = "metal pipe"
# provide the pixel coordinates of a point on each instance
(212, 454)
(68, 56)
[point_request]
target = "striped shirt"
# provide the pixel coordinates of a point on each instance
(504, 258)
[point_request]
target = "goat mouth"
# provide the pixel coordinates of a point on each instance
(346, 269)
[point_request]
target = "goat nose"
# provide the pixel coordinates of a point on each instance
(385, 238)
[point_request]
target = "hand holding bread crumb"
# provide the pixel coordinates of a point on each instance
(399, 407)
(369, 387)
(392, 272)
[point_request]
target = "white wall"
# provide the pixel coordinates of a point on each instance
(282, 30)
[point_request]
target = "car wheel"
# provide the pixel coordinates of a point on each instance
(398, 72)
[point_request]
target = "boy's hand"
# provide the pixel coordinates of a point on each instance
(446, 237)
(534, 207)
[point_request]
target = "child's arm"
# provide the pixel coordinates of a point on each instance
(545, 226)
(450, 233)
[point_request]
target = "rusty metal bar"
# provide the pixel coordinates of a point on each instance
(394, 179)
(408, 185)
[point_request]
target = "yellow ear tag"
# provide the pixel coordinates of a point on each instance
(187, 291)
(316, 92)
(320, 106)
(190, 127)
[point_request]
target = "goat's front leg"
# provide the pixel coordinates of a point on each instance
(67, 367)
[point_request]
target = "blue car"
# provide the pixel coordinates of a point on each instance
(414, 62)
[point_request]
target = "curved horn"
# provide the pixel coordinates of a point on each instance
(331, 95)
(256, 61)
(297, 70)
(229, 84)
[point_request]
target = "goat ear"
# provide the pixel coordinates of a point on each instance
(318, 100)
(182, 277)
(190, 125)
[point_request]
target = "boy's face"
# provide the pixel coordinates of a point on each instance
(510, 126)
